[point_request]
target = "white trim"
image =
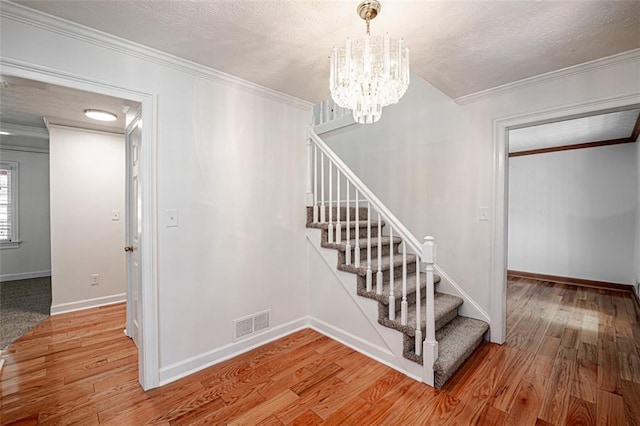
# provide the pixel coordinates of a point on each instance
(4, 147)
(469, 308)
(180, 369)
(24, 275)
(14, 191)
(499, 251)
(619, 58)
(25, 131)
(367, 349)
(76, 31)
(338, 123)
(76, 125)
(149, 350)
(80, 305)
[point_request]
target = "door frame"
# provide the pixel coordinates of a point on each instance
(499, 246)
(149, 350)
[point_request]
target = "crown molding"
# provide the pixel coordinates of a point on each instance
(25, 131)
(607, 61)
(25, 15)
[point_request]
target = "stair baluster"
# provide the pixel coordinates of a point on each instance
(418, 340)
(330, 229)
(315, 183)
(347, 259)
(338, 233)
(380, 248)
(404, 305)
(356, 251)
(322, 209)
(392, 295)
(369, 281)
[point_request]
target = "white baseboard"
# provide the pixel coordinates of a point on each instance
(88, 303)
(183, 368)
(24, 275)
(367, 349)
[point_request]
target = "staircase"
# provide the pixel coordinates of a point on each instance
(385, 269)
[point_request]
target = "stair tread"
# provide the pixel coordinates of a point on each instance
(386, 264)
(342, 246)
(363, 225)
(444, 304)
(456, 341)
(397, 287)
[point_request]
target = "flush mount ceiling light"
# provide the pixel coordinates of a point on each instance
(100, 115)
(369, 73)
(4, 133)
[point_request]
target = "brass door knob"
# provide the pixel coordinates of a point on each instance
(128, 248)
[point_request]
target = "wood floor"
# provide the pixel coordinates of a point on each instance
(572, 357)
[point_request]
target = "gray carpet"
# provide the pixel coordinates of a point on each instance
(23, 305)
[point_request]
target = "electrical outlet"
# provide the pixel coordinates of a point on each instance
(95, 279)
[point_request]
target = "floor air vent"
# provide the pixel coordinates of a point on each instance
(246, 326)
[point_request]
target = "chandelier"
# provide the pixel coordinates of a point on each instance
(369, 73)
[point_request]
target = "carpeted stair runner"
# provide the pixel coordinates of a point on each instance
(457, 336)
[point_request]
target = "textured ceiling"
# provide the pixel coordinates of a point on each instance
(25, 103)
(461, 47)
(615, 125)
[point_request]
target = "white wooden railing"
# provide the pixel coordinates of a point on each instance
(323, 165)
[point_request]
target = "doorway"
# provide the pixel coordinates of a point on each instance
(148, 348)
(501, 186)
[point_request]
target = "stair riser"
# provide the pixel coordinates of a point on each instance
(397, 274)
(352, 234)
(363, 253)
(343, 214)
(383, 313)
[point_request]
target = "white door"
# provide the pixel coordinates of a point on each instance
(134, 231)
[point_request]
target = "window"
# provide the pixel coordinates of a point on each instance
(9, 204)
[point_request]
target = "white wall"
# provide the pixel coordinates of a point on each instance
(87, 174)
(573, 213)
(231, 159)
(33, 257)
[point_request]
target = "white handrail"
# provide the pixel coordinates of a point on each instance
(405, 234)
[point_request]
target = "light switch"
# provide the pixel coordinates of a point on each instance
(172, 218)
(483, 214)
(115, 215)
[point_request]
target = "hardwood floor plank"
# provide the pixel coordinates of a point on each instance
(629, 365)
(608, 367)
(580, 412)
(610, 409)
(491, 416)
(528, 401)
(631, 401)
(558, 393)
(265, 409)
(307, 418)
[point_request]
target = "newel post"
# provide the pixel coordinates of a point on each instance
(430, 345)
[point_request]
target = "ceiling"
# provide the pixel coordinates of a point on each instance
(461, 47)
(595, 128)
(26, 102)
